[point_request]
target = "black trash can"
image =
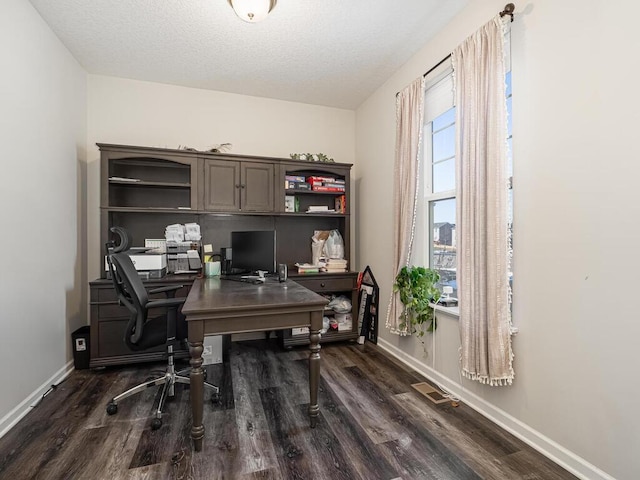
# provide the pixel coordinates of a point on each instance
(80, 344)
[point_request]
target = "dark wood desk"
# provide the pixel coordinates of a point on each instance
(216, 306)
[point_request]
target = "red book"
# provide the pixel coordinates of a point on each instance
(321, 188)
(314, 179)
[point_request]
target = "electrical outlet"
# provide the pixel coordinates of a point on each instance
(208, 350)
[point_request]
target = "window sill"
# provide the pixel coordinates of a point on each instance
(453, 311)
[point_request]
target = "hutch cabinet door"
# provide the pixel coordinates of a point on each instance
(257, 188)
(233, 186)
(222, 185)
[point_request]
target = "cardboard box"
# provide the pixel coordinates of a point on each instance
(212, 353)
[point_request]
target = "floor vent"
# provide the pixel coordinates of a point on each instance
(432, 393)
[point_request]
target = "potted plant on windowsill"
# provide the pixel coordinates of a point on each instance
(417, 289)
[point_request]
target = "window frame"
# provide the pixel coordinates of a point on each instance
(438, 101)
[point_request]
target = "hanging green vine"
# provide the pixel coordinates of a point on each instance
(417, 289)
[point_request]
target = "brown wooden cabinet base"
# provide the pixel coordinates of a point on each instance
(109, 320)
(327, 284)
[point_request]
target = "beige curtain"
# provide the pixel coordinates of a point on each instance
(409, 118)
(482, 230)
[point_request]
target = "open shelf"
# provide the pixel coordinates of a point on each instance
(143, 183)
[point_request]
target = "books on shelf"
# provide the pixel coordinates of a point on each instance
(341, 204)
(335, 265)
(315, 183)
(292, 185)
(307, 268)
(318, 180)
(320, 209)
(337, 262)
(324, 188)
(326, 184)
(295, 178)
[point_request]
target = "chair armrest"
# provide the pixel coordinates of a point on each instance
(169, 288)
(165, 302)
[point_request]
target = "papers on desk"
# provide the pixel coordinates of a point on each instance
(192, 232)
(176, 233)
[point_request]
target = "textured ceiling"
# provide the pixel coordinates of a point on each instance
(331, 52)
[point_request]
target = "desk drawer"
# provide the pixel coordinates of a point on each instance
(328, 284)
(109, 294)
(109, 320)
(113, 310)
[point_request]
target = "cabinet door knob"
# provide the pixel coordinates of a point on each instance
(242, 186)
(322, 285)
(237, 185)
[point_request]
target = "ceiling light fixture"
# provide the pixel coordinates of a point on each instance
(252, 11)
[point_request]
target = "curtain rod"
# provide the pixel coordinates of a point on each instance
(508, 10)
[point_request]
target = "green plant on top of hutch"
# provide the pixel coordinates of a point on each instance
(417, 289)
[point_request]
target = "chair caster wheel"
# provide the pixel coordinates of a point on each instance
(156, 424)
(112, 408)
(215, 398)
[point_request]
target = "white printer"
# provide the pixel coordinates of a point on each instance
(148, 265)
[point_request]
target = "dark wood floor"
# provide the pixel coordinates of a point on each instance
(372, 425)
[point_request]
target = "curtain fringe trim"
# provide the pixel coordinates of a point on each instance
(395, 331)
(492, 382)
(504, 381)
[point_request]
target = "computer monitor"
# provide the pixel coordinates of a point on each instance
(254, 250)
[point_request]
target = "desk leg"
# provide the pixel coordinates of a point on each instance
(314, 366)
(196, 339)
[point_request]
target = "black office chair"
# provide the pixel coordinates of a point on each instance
(142, 332)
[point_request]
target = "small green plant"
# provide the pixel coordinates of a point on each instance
(417, 289)
(312, 157)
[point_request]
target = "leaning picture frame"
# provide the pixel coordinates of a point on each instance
(368, 293)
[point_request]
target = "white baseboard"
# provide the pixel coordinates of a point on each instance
(15, 415)
(550, 449)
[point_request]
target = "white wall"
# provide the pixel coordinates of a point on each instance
(132, 112)
(42, 150)
(577, 204)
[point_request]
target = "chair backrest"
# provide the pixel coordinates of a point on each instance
(124, 241)
(111, 247)
(132, 294)
(128, 286)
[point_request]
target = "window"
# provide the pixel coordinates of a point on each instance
(510, 175)
(436, 227)
(439, 189)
